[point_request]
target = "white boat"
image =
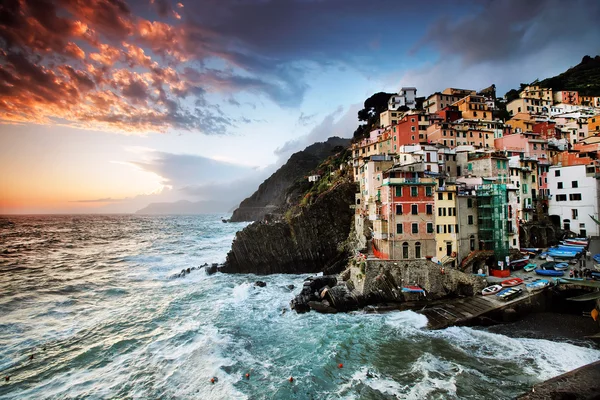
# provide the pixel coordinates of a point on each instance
(537, 285)
(491, 290)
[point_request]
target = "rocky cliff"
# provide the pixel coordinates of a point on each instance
(309, 239)
(271, 194)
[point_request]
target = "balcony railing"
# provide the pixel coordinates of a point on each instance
(407, 181)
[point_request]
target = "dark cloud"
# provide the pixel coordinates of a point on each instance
(305, 120)
(502, 31)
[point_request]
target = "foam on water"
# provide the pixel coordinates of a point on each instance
(116, 326)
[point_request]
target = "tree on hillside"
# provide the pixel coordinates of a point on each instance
(374, 105)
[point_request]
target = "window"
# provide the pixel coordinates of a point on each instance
(449, 196)
(440, 211)
(440, 196)
(443, 211)
(398, 209)
(398, 191)
(561, 197)
(573, 213)
(412, 129)
(414, 209)
(428, 191)
(438, 229)
(470, 220)
(559, 185)
(415, 228)
(557, 172)
(574, 184)
(470, 202)
(472, 242)
(404, 250)
(429, 209)
(418, 250)
(399, 229)
(575, 196)
(414, 191)
(430, 227)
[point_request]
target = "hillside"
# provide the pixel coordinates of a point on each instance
(584, 78)
(271, 194)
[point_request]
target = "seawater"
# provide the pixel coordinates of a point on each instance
(92, 298)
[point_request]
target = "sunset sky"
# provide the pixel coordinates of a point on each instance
(107, 105)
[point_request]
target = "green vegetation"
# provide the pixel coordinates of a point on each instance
(373, 106)
(584, 78)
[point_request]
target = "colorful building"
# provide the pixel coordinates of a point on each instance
(566, 97)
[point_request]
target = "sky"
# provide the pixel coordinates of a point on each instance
(109, 105)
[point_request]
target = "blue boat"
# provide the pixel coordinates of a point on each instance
(536, 285)
(570, 245)
(549, 272)
(413, 289)
(562, 254)
(561, 266)
(597, 258)
(572, 249)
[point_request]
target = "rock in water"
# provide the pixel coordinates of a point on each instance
(304, 243)
(260, 284)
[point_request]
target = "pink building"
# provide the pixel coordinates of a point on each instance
(529, 145)
(566, 97)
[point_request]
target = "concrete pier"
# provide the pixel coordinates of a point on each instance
(582, 384)
(466, 311)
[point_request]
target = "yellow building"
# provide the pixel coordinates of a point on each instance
(521, 122)
(446, 224)
(474, 107)
(536, 92)
(531, 106)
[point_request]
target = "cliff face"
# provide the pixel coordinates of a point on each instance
(271, 194)
(306, 242)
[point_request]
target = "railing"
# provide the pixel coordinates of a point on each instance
(407, 181)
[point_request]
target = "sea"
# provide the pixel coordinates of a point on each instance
(91, 307)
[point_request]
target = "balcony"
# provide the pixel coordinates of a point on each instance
(376, 217)
(408, 181)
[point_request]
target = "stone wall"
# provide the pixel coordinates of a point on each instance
(383, 276)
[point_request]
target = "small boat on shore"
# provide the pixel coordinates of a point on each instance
(491, 290)
(597, 258)
(537, 285)
(579, 241)
(413, 289)
(549, 272)
(561, 266)
(529, 267)
(511, 282)
(509, 293)
(520, 263)
(543, 255)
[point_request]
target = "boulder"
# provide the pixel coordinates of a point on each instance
(322, 307)
(260, 284)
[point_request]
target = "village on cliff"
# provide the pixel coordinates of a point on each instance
(444, 178)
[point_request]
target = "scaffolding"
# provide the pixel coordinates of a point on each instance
(492, 209)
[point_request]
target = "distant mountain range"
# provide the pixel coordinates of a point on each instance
(184, 207)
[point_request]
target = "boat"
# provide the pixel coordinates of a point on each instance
(548, 265)
(529, 267)
(511, 282)
(537, 285)
(509, 293)
(561, 266)
(543, 255)
(531, 249)
(562, 254)
(413, 289)
(597, 258)
(579, 241)
(520, 263)
(549, 272)
(567, 244)
(491, 290)
(572, 249)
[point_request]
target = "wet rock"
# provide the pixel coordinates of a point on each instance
(260, 284)
(188, 270)
(212, 269)
(322, 307)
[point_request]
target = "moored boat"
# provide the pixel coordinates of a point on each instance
(543, 255)
(549, 272)
(580, 241)
(537, 285)
(413, 289)
(561, 266)
(509, 293)
(529, 267)
(511, 282)
(491, 290)
(597, 258)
